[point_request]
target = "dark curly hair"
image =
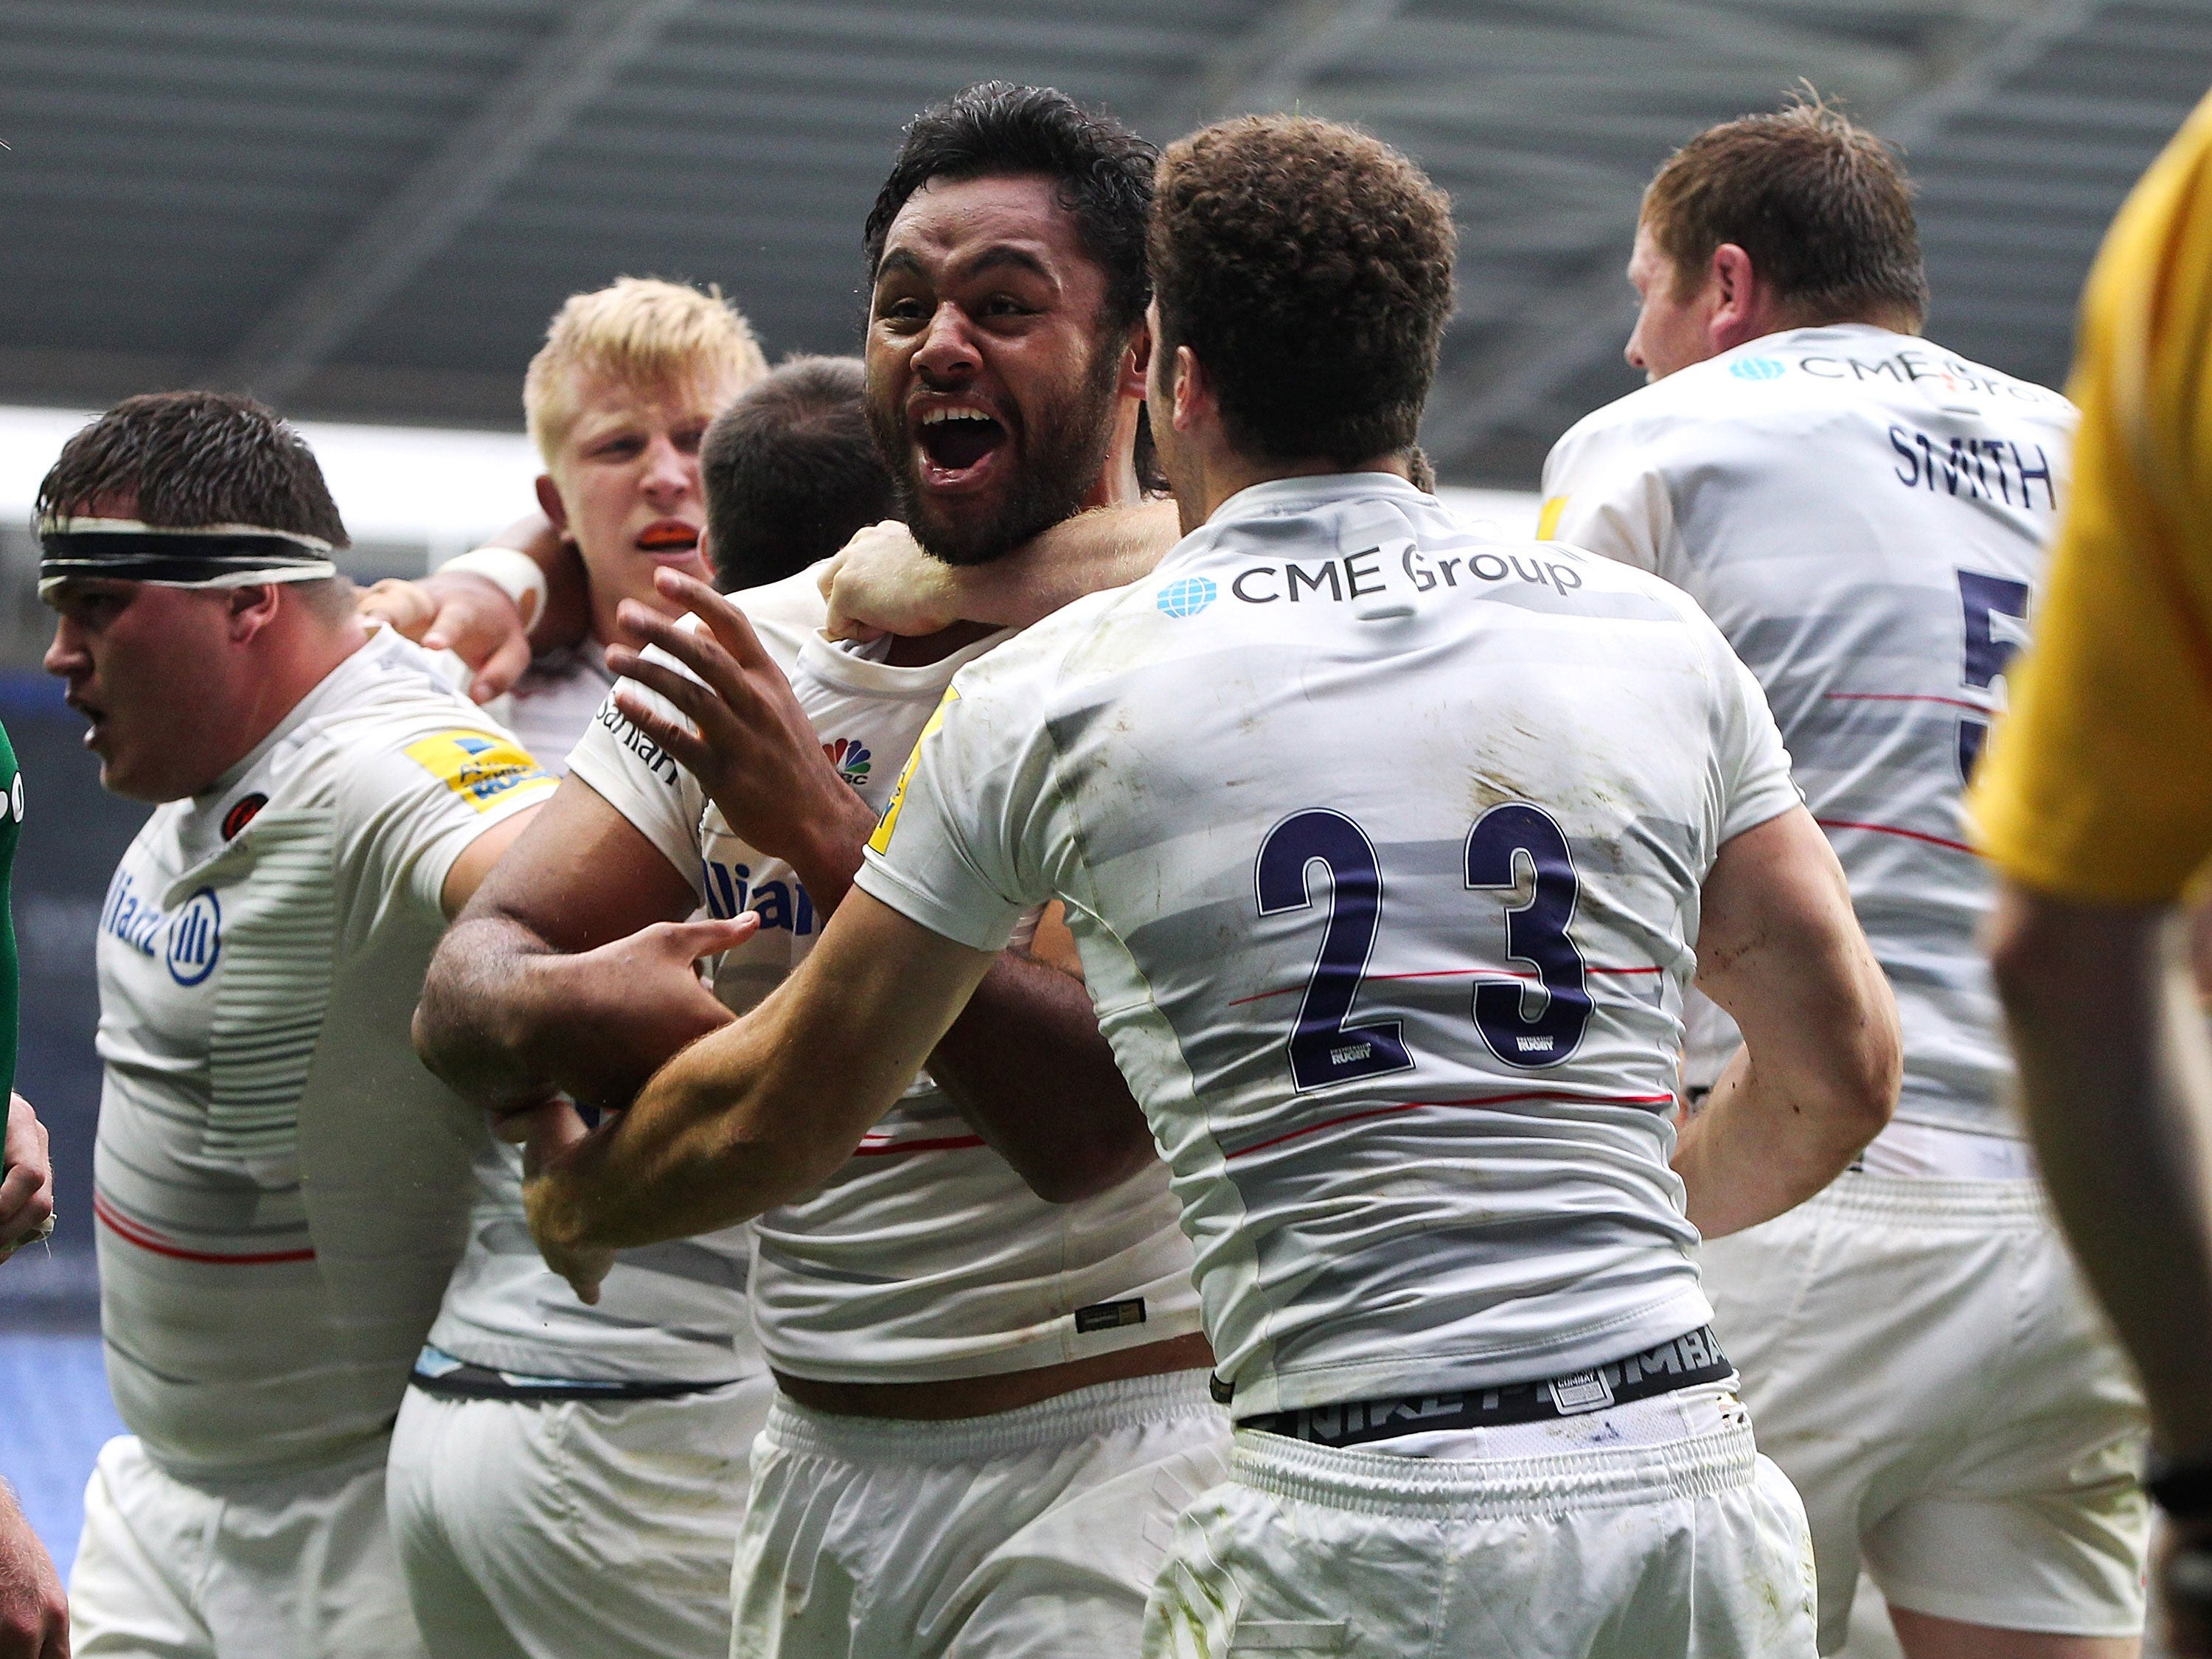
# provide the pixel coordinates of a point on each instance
(1309, 267)
(192, 459)
(995, 129)
(1819, 204)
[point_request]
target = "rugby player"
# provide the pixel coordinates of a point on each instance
(281, 1188)
(567, 1477)
(1385, 849)
(988, 1403)
(1866, 515)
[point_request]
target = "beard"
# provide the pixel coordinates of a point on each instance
(1058, 458)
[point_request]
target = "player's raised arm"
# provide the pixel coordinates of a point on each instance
(1816, 1080)
(748, 1118)
(571, 967)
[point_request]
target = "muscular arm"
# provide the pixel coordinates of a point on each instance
(884, 583)
(1028, 1035)
(570, 968)
(1780, 949)
(755, 1115)
(2116, 1076)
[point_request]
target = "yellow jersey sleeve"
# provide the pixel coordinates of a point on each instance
(2098, 784)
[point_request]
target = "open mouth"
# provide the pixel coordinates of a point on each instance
(958, 442)
(668, 536)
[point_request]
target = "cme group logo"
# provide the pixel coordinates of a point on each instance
(1757, 369)
(1188, 597)
(195, 938)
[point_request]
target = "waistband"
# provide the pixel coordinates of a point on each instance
(1684, 1362)
(1379, 1483)
(1907, 1201)
(1071, 1416)
(440, 1374)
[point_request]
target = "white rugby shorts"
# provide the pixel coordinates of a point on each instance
(1923, 1362)
(1683, 1548)
(544, 1529)
(1031, 1534)
(293, 1567)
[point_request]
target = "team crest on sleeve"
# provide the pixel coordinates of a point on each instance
(482, 769)
(881, 841)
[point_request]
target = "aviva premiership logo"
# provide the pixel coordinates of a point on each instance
(482, 769)
(851, 759)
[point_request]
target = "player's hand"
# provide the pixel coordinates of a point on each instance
(33, 1611)
(749, 744)
(644, 992)
(553, 1123)
(2182, 1578)
(27, 1192)
(881, 582)
(466, 615)
(552, 1133)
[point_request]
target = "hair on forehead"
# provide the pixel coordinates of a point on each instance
(638, 331)
(1101, 171)
(192, 459)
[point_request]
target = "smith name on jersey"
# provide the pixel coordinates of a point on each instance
(1866, 517)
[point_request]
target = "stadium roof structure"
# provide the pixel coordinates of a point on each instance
(366, 209)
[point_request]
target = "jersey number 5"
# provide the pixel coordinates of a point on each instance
(1323, 1048)
(1989, 651)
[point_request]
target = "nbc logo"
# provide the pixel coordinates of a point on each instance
(853, 760)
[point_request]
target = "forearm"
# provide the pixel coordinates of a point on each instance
(1027, 1067)
(832, 850)
(2116, 1079)
(1761, 1145)
(1106, 547)
(505, 1019)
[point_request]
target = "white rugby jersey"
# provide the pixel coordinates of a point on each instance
(1865, 516)
(925, 1256)
(673, 1312)
(1382, 845)
(281, 1185)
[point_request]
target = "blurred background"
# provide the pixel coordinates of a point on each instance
(364, 211)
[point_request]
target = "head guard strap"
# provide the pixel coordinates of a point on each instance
(201, 556)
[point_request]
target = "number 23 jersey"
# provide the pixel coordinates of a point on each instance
(1865, 515)
(1383, 846)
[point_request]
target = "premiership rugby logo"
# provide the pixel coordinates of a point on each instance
(853, 760)
(482, 769)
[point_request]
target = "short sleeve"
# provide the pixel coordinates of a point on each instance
(967, 842)
(641, 781)
(1754, 768)
(2098, 784)
(409, 811)
(1602, 493)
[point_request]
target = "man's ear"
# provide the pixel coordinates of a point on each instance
(707, 555)
(252, 609)
(550, 504)
(1136, 362)
(1192, 389)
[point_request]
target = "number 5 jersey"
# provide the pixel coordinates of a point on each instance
(1865, 515)
(1382, 845)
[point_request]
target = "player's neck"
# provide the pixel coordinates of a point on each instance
(300, 659)
(1221, 472)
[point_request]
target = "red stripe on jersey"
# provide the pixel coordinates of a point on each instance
(1479, 1100)
(947, 1144)
(1904, 696)
(146, 1239)
(1892, 829)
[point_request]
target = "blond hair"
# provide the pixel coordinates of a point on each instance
(643, 332)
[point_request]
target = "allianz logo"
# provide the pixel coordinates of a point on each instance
(188, 941)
